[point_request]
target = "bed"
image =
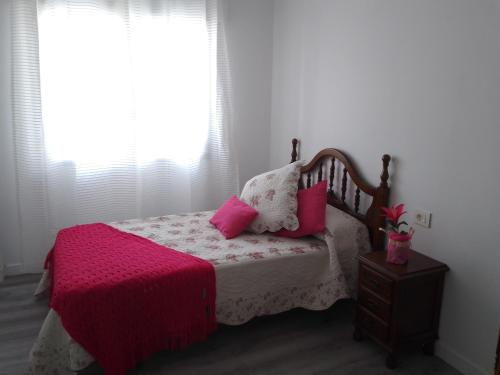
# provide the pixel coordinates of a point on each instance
(256, 274)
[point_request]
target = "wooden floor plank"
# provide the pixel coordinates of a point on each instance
(294, 343)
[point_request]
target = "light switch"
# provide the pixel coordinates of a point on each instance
(422, 218)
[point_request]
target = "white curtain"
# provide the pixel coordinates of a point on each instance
(121, 109)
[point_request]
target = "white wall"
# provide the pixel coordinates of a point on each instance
(419, 80)
(250, 43)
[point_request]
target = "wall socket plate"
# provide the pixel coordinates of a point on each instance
(422, 218)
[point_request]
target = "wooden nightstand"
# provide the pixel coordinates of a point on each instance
(399, 305)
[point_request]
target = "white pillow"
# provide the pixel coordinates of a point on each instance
(274, 195)
(346, 237)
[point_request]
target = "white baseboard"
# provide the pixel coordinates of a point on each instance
(13, 269)
(458, 361)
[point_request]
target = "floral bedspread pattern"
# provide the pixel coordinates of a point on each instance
(256, 275)
(274, 195)
(193, 234)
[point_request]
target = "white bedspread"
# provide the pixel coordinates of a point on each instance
(255, 275)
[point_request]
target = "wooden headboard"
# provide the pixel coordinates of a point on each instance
(334, 166)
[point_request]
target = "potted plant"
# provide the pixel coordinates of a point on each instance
(399, 241)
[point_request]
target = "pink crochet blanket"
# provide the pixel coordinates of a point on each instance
(123, 297)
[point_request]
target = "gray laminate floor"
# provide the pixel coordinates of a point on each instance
(297, 342)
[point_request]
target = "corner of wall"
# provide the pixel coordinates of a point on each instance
(457, 360)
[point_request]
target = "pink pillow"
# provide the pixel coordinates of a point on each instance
(233, 217)
(311, 212)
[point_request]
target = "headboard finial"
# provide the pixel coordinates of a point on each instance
(294, 149)
(385, 170)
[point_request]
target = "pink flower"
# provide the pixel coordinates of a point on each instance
(274, 240)
(252, 241)
(270, 194)
(274, 250)
(212, 247)
(256, 255)
(136, 229)
(393, 213)
(297, 250)
(213, 238)
(254, 200)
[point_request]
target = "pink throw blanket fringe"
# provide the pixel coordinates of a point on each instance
(123, 297)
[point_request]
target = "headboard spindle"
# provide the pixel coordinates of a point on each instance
(380, 195)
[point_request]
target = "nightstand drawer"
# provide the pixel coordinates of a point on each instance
(376, 282)
(374, 304)
(399, 305)
(372, 325)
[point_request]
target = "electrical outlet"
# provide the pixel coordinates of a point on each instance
(422, 218)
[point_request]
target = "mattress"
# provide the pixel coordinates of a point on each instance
(255, 275)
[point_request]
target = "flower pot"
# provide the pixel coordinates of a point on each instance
(397, 248)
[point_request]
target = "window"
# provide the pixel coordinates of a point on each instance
(121, 86)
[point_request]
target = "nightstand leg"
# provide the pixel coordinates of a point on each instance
(428, 348)
(391, 361)
(357, 335)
